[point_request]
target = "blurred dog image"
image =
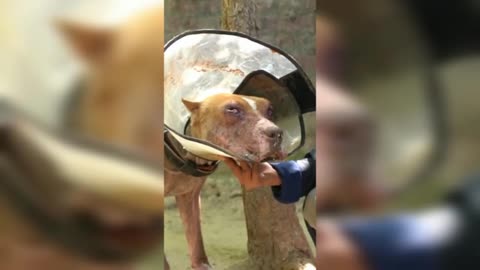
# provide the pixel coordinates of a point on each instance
(92, 218)
(127, 113)
(122, 102)
(123, 95)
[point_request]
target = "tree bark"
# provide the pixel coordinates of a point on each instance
(275, 237)
(238, 15)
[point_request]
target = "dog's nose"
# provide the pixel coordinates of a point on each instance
(274, 133)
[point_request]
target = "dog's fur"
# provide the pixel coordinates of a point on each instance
(241, 124)
(23, 246)
(123, 99)
(237, 123)
(122, 104)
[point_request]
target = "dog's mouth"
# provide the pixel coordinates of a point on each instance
(133, 236)
(271, 156)
(280, 155)
(122, 233)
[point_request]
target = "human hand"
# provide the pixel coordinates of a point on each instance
(253, 175)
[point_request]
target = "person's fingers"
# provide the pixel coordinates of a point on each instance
(230, 163)
(236, 169)
(250, 175)
(257, 172)
(244, 165)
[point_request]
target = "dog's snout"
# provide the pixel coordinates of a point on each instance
(274, 133)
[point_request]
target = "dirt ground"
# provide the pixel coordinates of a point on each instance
(223, 226)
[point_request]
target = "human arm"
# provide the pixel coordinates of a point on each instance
(289, 180)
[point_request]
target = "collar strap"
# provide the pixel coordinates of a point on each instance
(175, 153)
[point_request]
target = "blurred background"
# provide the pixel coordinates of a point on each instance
(419, 77)
(287, 24)
(37, 69)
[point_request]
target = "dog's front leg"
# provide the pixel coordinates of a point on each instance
(189, 206)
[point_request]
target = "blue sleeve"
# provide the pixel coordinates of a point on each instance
(393, 243)
(297, 177)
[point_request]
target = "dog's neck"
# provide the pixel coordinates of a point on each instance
(182, 157)
(189, 156)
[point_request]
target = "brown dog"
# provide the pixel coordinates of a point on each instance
(122, 101)
(123, 97)
(240, 124)
(122, 104)
(73, 204)
(223, 120)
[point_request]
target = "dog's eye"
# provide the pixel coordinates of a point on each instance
(270, 112)
(232, 110)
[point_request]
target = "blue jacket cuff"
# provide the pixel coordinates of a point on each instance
(290, 190)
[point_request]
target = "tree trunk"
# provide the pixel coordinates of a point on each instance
(275, 237)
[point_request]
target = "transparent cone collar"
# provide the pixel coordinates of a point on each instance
(203, 63)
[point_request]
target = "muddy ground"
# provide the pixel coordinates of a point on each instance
(223, 226)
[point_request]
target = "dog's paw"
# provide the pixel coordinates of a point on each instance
(204, 266)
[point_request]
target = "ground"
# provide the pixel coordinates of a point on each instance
(223, 226)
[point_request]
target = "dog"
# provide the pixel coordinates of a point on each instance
(121, 98)
(241, 124)
(92, 218)
(122, 103)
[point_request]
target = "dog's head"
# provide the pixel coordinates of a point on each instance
(123, 99)
(122, 104)
(240, 124)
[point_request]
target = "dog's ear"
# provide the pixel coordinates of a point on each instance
(191, 105)
(91, 43)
